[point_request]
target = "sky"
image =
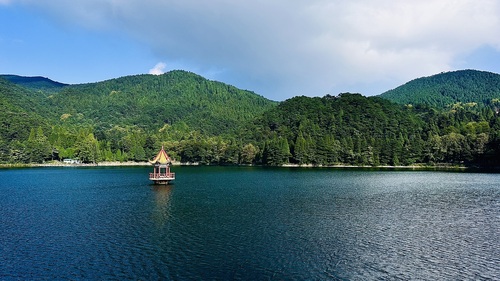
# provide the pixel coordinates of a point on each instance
(278, 49)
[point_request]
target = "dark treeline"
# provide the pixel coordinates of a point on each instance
(356, 130)
(197, 120)
(347, 129)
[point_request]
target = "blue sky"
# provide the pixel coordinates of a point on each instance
(278, 49)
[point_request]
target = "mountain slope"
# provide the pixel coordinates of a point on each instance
(35, 83)
(150, 101)
(445, 89)
(17, 112)
(348, 128)
(125, 118)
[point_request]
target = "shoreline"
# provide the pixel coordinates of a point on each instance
(340, 166)
(100, 164)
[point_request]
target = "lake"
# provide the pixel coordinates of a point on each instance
(248, 223)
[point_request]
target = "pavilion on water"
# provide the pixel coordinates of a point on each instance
(161, 173)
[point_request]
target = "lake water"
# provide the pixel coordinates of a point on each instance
(248, 223)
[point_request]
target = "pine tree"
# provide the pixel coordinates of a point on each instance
(88, 149)
(300, 149)
(38, 148)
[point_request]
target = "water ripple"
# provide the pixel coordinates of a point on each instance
(249, 224)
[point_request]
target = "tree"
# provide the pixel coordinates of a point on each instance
(87, 149)
(248, 154)
(276, 151)
(328, 150)
(270, 154)
(300, 154)
(38, 148)
(285, 150)
(456, 148)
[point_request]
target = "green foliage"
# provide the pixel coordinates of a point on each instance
(19, 125)
(356, 130)
(248, 154)
(37, 147)
(87, 149)
(445, 90)
(348, 129)
(151, 101)
(207, 122)
(276, 151)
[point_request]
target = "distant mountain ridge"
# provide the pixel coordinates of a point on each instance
(448, 88)
(147, 101)
(208, 122)
(34, 82)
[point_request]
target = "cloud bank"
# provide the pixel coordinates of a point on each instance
(285, 48)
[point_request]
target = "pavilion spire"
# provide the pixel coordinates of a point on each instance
(161, 158)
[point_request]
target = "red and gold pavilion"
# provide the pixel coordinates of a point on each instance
(161, 173)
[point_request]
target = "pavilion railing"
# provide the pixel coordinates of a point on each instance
(161, 175)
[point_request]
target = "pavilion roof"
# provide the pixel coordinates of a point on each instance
(161, 158)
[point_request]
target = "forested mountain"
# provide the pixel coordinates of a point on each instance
(150, 101)
(124, 112)
(34, 83)
(197, 120)
(447, 89)
(18, 111)
(356, 130)
(346, 129)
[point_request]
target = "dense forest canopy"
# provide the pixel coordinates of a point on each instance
(126, 118)
(198, 120)
(150, 101)
(446, 89)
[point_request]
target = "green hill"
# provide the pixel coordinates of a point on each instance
(35, 83)
(208, 122)
(125, 118)
(356, 130)
(448, 88)
(17, 117)
(151, 101)
(346, 129)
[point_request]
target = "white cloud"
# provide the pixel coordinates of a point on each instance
(158, 69)
(283, 48)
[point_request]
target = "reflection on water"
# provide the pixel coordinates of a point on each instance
(161, 212)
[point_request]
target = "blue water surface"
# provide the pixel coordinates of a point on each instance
(248, 223)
